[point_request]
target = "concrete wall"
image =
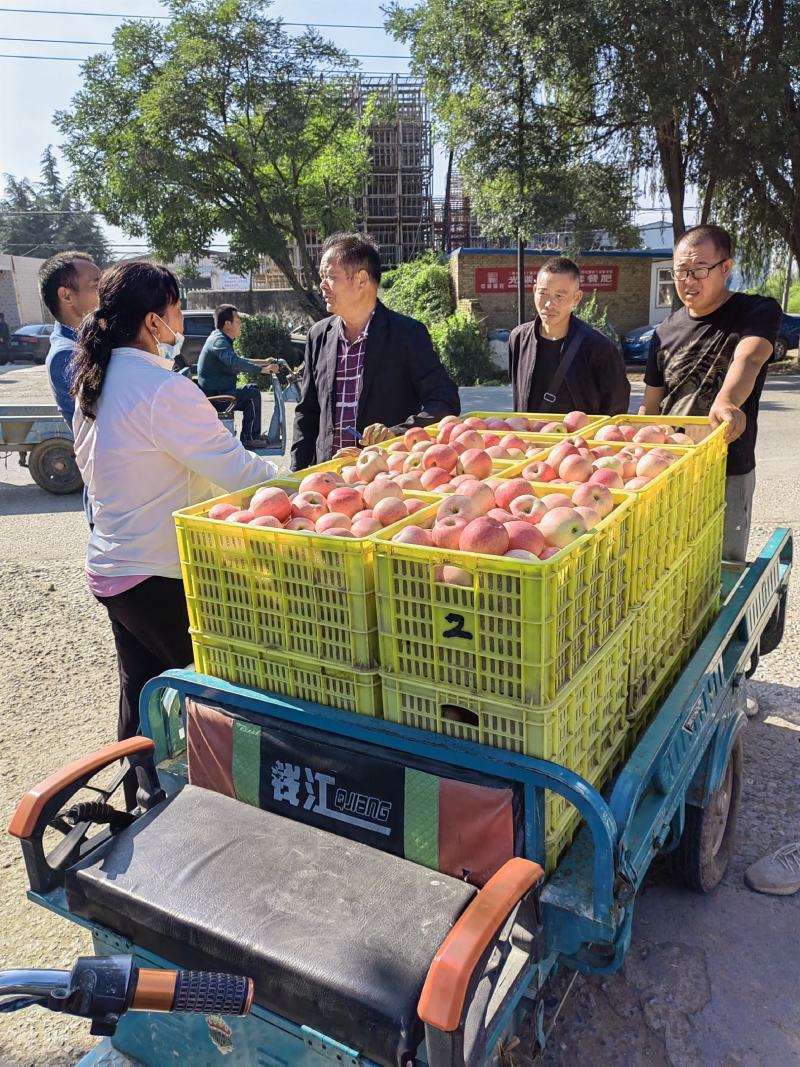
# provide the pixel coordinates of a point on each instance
(252, 301)
(628, 306)
(19, 291)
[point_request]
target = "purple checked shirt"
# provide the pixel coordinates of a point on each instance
(349, 365)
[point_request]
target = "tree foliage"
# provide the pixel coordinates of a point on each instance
(493, 73)
(463, 350)
(41, 218)
(422, 289)
(220, 120)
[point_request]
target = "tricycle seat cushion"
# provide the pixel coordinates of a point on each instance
(337, 935)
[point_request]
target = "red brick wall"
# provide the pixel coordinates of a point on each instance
(628, 306)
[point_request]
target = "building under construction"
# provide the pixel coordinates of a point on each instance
(395, 206)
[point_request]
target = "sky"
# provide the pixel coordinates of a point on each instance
(31, 90)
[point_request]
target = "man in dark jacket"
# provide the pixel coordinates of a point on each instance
(367, 368)
(595, 380)
(218, 366)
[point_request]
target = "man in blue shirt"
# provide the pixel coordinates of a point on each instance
(68, 286)
(218, 367)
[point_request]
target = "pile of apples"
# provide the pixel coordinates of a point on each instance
(507, 518)
(650, 434)
(575, 462)
(324, 504)
(571, 422)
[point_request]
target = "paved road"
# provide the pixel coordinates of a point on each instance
(709, 982)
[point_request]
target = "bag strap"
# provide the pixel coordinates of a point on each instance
(566, 361)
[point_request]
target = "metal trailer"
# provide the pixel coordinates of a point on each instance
(677, 792)
(41, 438)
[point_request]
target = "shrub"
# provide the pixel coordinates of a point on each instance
(463, 350)
(263, 337)
(595, 314)
(422, 289)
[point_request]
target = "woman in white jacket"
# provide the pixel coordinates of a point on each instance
(147, 442)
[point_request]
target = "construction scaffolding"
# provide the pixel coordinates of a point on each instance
(395, 205)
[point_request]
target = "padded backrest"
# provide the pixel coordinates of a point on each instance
(461, 827)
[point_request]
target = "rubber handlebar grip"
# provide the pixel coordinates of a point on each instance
(210, 993)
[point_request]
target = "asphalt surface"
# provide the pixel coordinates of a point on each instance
(709, 981)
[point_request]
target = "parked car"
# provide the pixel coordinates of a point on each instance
(30, 343)
(636, 344)
(197, 326)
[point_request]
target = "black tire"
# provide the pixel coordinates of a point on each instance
(705, 847)
(53, 467)
(780, 350)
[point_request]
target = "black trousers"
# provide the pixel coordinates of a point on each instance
(151, 633)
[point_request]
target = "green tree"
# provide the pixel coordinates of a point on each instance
(219, 120)
(759, 189)
(42, 218)
(492, 73)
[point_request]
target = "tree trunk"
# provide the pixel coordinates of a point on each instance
(671, 156)
(520, 279)
(708, 200)
(787, 281)
(446, 214)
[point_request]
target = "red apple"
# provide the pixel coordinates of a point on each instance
(576, 420)
(222, 511)
(549, 551)
(649, 435)
(490, 440)
(336, 531)
(322, 482)
(334, 520)
(390, 510)
(453, 576)
(447, 532)
(529, 508)
(512, 441)
(501, 515)
(416, 433)
(346, 499)
(299, 524)
(559, 454)
(442, 456)
(594, 496)
(476, 462)
(467, 437)
(589, 516)
(497, 452)
(486, 536)
(606, 477)
(480, 492)
(510, 490)
(612, 463)
(518, 423)
(413, 506)
(370, 464)
(651, 465)
(419, 447)
(434, 477)
(575, 469)
(350, 475)
(557, 500)
(379, 490)
(554, 427)
(459, 507)
(244, 515)
(413, 535)
(522, 553)
(609, 433)
(365, 527)
(396, 461)
(561, 526)
(680, 439)
(475, 423)
(638, 482)
(311, 506)
(266, 520)
(523, 535)
(539, 471)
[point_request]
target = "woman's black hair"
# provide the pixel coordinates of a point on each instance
(128, 292)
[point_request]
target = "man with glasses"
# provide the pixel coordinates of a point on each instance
(559, 363)
(710, 358)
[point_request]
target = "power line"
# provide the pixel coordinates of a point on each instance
(108, 44)
(149, 18)
(82, 59)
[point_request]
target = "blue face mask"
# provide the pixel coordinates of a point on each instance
(169, 351)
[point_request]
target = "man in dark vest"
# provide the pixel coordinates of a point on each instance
(559, 363)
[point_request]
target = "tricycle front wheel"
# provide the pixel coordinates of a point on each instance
(705, 847)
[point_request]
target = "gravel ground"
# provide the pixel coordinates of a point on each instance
(683, 997)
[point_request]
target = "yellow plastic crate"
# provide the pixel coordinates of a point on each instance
(658, 635)
(592, 704)
(710, 452)
(660, 518)
(704, 588)
(288, 675)
(520, 631)
(498, 465)
(292, 592)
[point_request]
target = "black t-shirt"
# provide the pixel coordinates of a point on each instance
(548, 356)
(690, 358)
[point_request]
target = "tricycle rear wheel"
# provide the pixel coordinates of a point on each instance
(705, 847)
(53, 467)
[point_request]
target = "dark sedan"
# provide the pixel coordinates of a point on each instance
(31, 343)
(636, 344)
